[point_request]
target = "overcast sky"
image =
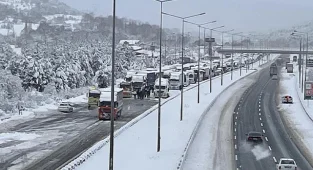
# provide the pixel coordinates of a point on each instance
(241, 15)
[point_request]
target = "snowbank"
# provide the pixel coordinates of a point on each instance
(299, 115)
(140, 137)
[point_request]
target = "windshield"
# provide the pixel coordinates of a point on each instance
(125, 86)
(107, 104)
(174, 80)
(95, 95)
(162, 87)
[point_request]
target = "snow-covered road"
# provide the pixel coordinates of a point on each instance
(27, 141)
(212, 145)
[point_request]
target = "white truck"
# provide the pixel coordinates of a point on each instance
(286, 164)
(191, 76)
(176, 81)
(165, 89)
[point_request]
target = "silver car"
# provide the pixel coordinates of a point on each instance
(65, 107)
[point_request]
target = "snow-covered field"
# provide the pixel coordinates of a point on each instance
(298, 115)
(138, 142)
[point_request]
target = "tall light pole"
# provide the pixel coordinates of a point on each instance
(223, 32)
(232, 54)
(199, 56)
(160, 72)
(211, 55)
(182, 58)
(112, 92)
(300, 57)
(306, 55)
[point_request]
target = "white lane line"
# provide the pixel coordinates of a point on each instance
(235, 129)
(260, 102)
(259, 109)
(263, 131)
(259, 105)
(259, 114)
(236, 117)
(235, 123)
(269, 148)
(235, 137)
(266, 139)
(235, 146)
(262, 124)
(237, 169)
(234, 112)
(237, 113)
(260, 118)
(274, 159)
(238, 105)
(236, 157)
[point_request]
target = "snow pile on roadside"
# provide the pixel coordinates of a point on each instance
(142, 137)
(299, 114)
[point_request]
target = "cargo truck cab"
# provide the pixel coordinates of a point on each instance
(104, 105)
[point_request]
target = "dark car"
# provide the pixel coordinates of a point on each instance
(254, 137)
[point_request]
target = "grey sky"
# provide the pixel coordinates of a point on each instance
(241, 15)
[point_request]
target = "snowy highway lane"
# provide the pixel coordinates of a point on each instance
(51, 138)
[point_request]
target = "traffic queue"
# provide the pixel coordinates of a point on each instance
(147, 83)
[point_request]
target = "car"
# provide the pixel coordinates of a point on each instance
(274, 77)
(65, 107)
(286, 164)
(287, 99)
(256, 137)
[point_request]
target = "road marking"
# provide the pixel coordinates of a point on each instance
(260, 102)
(263, 131)
(235, 129)
(274, 159)
(236, 117)
(266, 139)
(237, 168)
(261, 119)
(262, 124)
(237, 113)
(259, 105)
(235, 146)
(269, 148)
(235, 137)
(235, 123)
(236, 157)
(238, 104)
(234, 112)
(259, 109)
(260, 114)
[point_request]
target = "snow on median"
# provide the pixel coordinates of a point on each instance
(138, 143)
(298, 115)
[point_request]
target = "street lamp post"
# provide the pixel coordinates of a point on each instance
(306, 56)
(199, 56)
(112, 92)
(211, 55)
(232, 54)
(223, 32)
(300, 57)
(160, 72)
(182, 58)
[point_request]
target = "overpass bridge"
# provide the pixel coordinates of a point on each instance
(264, 51)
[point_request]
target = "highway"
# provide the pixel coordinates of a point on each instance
(257, 111)
(62, 135)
